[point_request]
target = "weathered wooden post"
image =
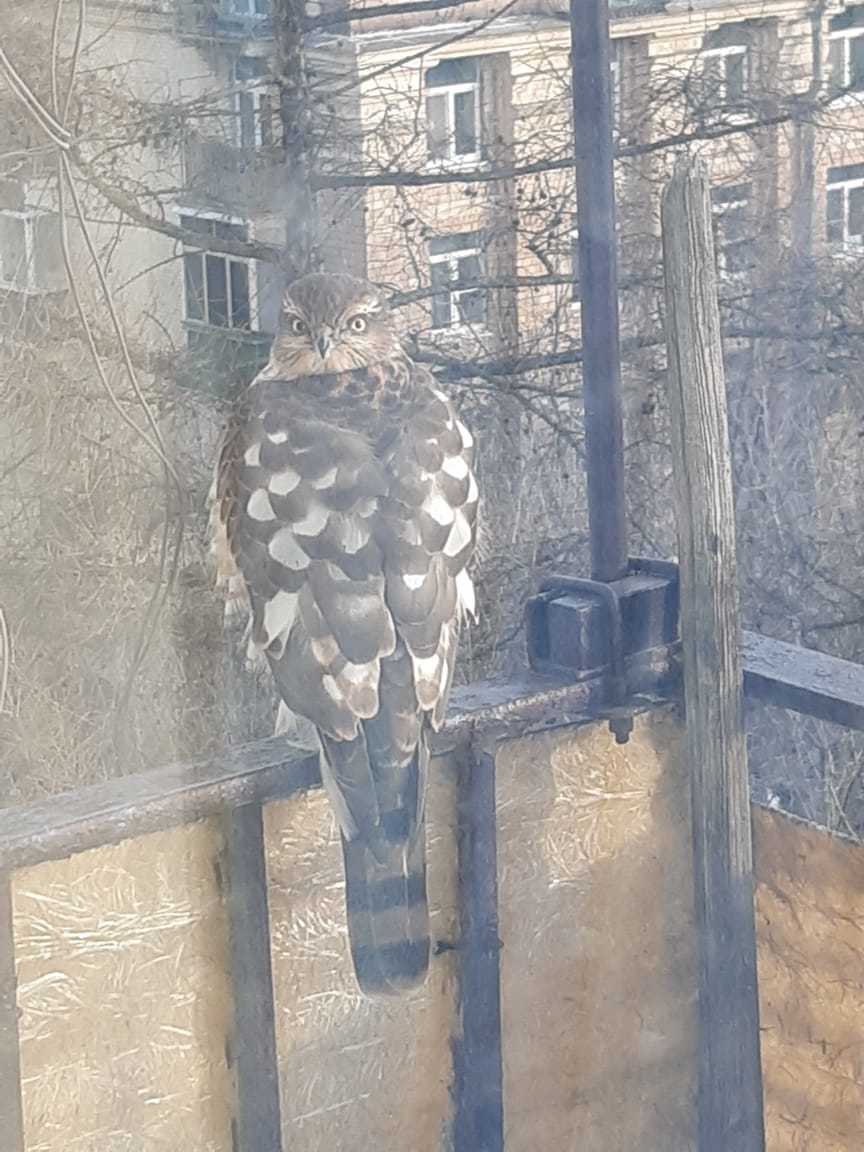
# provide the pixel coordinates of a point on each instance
(730, 1075)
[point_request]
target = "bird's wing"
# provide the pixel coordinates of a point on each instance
(295, 506)
(427, 531)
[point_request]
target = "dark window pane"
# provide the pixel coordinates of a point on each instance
(856, 64)
(441, 312)
(464, 71)
(456, 242)
(217, 291)
(472, 307)
(436, 126)
(469, 269)
(249, 68)
(197, 224)
(193, 274)
(836, 66)
(246, 116)
(736, 76)
(465, 132)
(712, 79)
(733, 224)
(265, 120)
(440, 275)
(262, 7)
(240, 313)
(226, 231)
(845, 174)
(834, 216)
(856, 213)
(736, 259)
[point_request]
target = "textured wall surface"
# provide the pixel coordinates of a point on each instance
(124, 996)
(810, 920)
(597, 967)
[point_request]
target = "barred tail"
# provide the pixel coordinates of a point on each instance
(388, 916)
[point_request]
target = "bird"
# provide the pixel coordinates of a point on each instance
(344, 508)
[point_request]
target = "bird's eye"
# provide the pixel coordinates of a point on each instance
(359, 324)
(298, 327)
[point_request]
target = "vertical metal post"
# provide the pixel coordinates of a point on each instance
(598, 286)
(253, 1053)
(11, 1117)
(479, 1104)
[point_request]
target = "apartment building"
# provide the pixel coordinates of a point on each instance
(462, 129)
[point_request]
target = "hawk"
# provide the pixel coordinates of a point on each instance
(345, 504)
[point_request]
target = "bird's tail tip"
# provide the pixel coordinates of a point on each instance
(388, 919)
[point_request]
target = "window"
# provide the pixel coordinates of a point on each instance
(730, 206)
(30, 254)
(217, 290)
(846, 50)
(453, 110)
(456, 264)
(249, 8)
(725, 74)
(253, 103)
(844, 224)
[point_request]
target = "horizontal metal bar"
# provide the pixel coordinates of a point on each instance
(803, 680)
(778, 673)
(270, 770)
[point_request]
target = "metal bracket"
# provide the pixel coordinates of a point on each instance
(585, 627)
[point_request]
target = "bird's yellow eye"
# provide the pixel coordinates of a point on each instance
(359, 324)
(298, 327)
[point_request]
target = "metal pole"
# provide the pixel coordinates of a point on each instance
(598, 284)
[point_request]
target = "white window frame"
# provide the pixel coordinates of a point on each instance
(449, 92)
(258, 87)
(455, 294)
(29, 287)
(724, 52)
(846, 35)
(718, 211)
(847, 243)
(251, 265)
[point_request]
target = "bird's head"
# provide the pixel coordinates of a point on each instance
(332, 323)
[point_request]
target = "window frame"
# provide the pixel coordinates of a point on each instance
(719, 208)
(449, 92)
(844, 36)
(251, 265)
(847, 243)
(454, 293)
(725, 52)
(259, 88)
(28, 216)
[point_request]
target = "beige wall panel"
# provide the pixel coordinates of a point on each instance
(355, 1072)
(598, 985)
(123, 998)
(810, 921)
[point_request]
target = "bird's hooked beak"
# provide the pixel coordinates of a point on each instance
(324, 342)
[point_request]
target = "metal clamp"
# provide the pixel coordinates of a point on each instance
(620, 717)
